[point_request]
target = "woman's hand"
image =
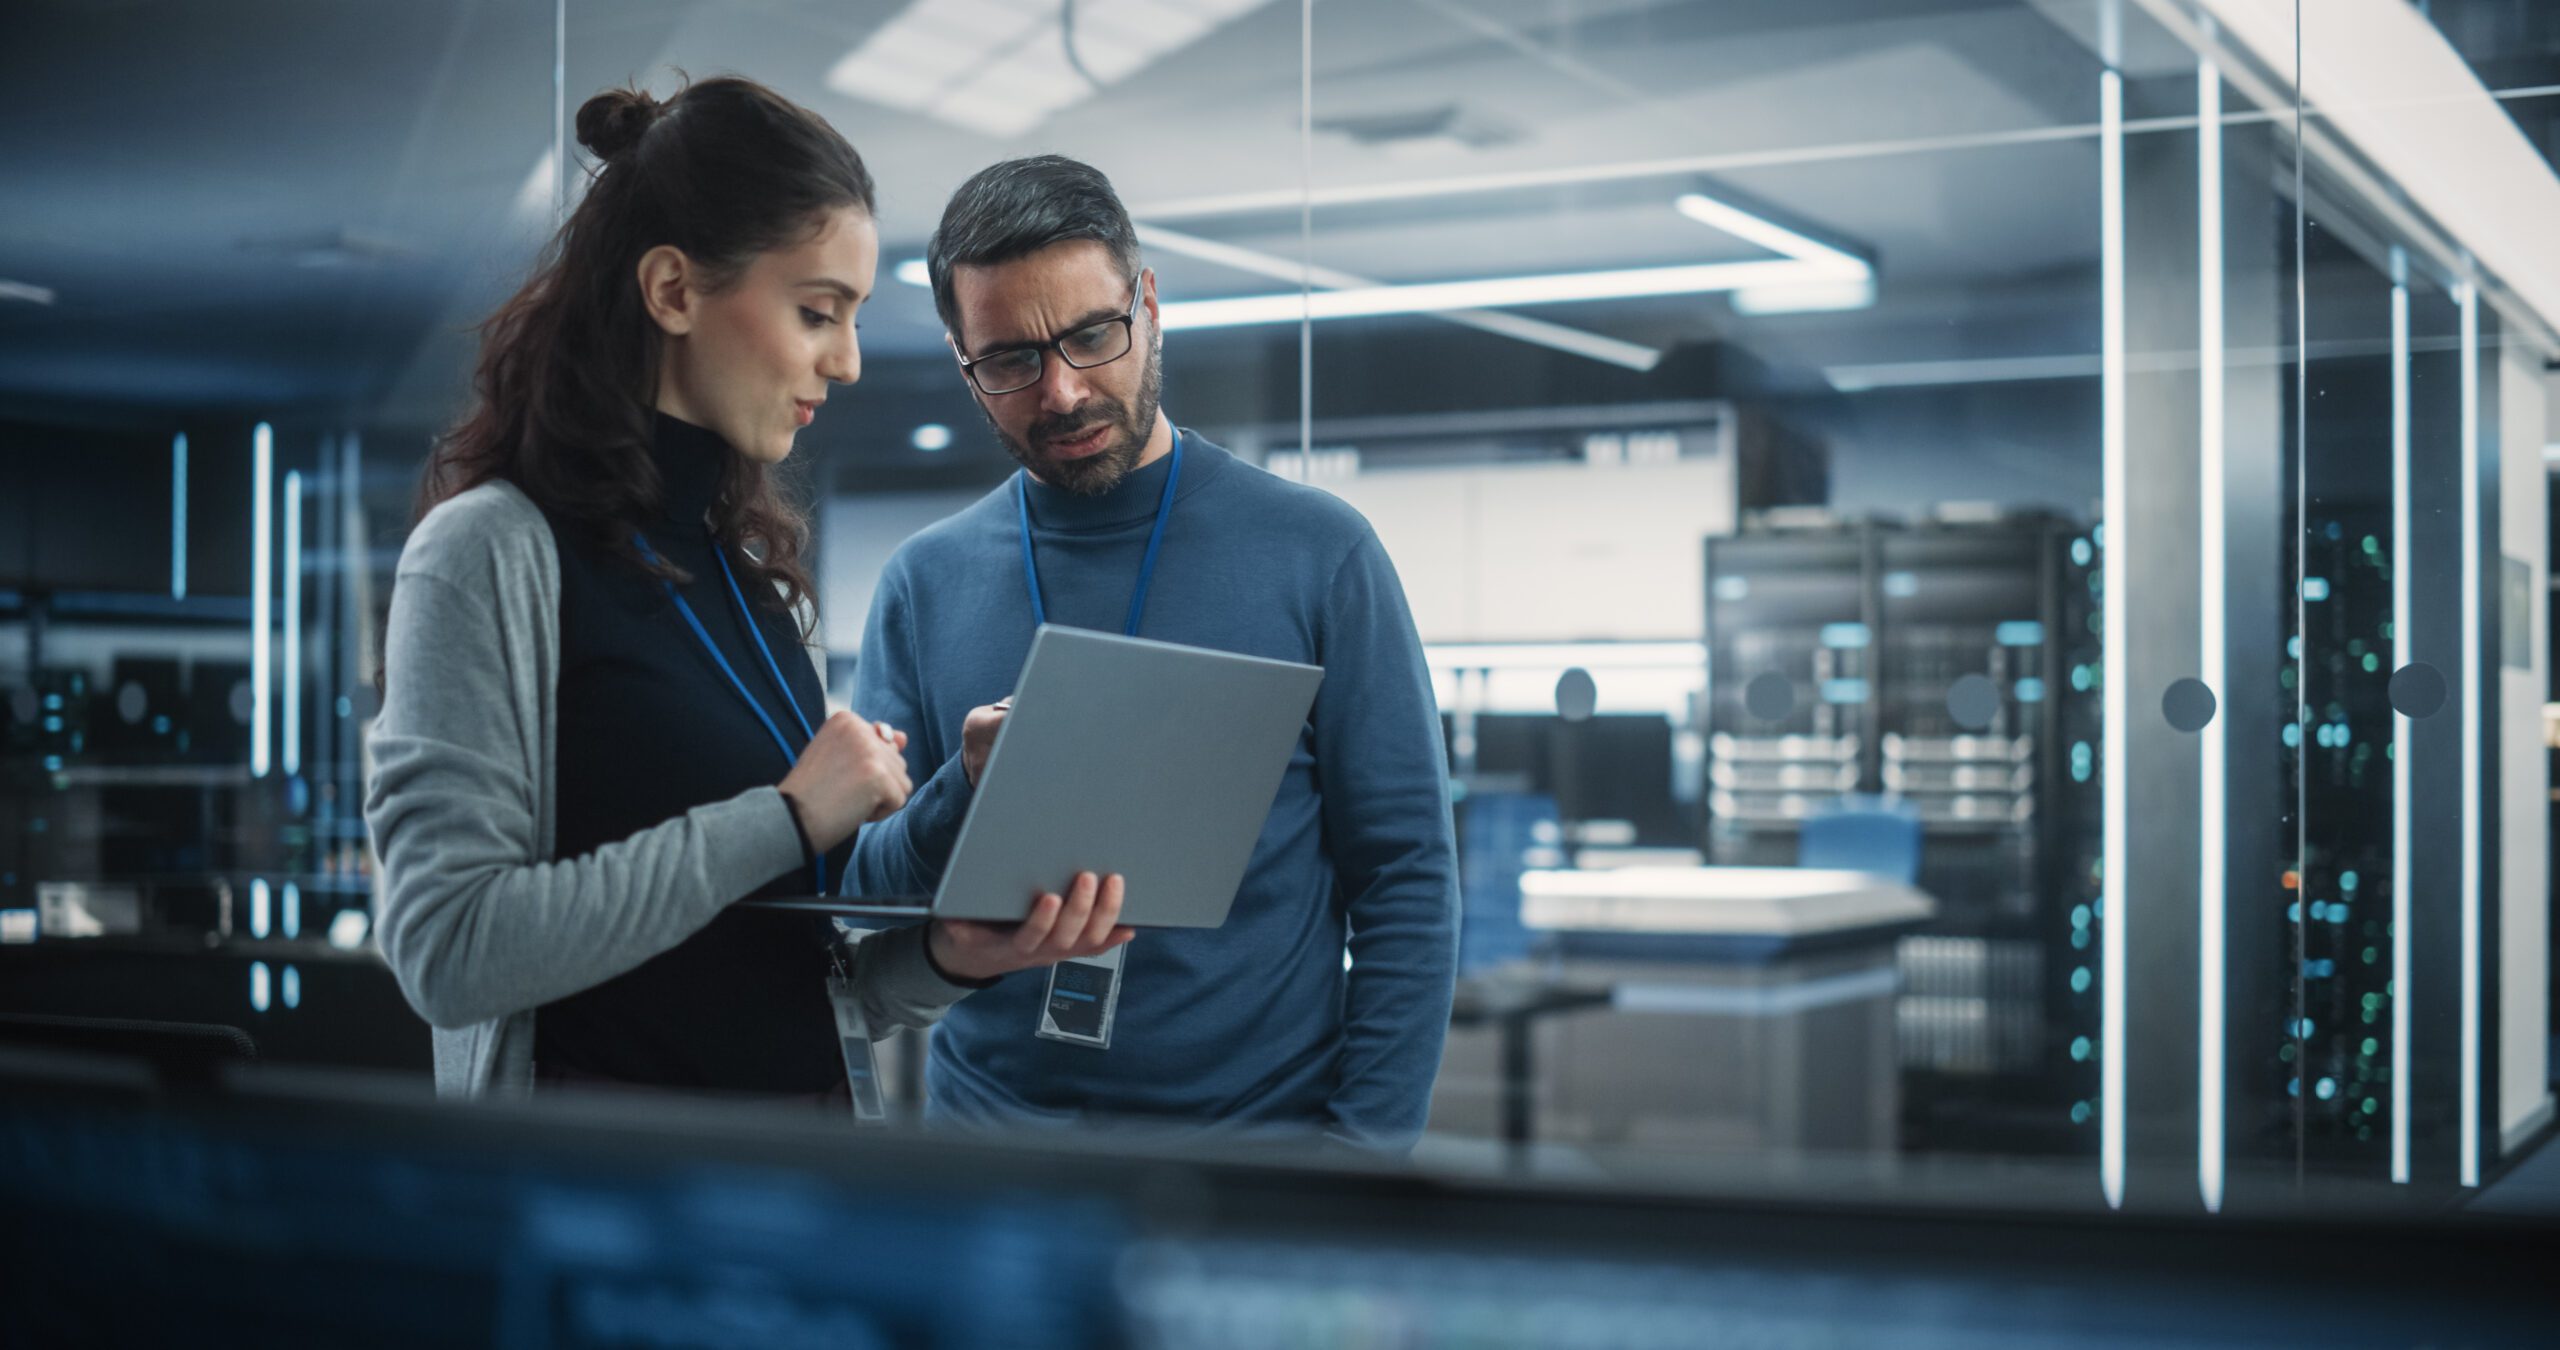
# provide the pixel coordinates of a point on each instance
(1084, 922)
(852, 773)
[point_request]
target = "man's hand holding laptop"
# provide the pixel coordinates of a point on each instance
(1083, 922)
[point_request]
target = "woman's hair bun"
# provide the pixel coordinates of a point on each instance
(614, 121)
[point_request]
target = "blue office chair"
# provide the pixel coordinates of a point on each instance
(1863, 833)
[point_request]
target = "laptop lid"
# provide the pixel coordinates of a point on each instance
(1153, 760)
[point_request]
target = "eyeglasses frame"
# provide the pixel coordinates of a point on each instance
(1056, 345)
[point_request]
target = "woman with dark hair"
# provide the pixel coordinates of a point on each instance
(601, 722)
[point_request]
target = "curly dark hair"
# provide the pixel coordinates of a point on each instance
(567, 382)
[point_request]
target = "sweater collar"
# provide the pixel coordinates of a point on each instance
(691, 461)
(1135, 498)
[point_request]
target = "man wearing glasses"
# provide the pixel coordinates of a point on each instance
(1121, 522)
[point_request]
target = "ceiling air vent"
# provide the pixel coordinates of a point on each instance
(1420, 132)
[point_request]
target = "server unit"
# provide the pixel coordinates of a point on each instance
(1948, 669)
(1791, 711)
(2333, 1063)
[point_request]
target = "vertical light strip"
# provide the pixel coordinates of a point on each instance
(178, 517)
(2403, 559)
(261, 584)
(324, 645)
(2119, 575)
(2472, 684)
(292, 624)
(351, 614)
(2210, 881)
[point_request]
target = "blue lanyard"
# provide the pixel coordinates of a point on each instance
(1146, 568)
(817, 861)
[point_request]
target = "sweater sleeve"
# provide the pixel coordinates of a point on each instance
(897, 981)
(1382, 769)
(904, 855)
(473, 928)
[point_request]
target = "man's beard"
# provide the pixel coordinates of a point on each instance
(1104, 470)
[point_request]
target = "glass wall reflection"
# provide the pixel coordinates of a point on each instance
(1667, 350)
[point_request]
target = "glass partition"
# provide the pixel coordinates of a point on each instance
(239, 242)
(1776, 337)
(2425, 334)
(1982, 562)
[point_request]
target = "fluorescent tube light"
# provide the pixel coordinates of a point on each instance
(914, 272)
(1771, 235)
(261, 587)
(1557, 337)
(292, 624)
(178, 517)
(2211, 1014)
(1484, 293)
(1815, 297)
(1808, 275)
(2472, 684)
(2120, 569)
(2404, 622)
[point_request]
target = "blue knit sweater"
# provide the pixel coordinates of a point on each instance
(1254, 1027)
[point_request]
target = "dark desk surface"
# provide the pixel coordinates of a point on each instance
(304, 1209)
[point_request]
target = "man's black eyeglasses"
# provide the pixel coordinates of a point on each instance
(1014, 369)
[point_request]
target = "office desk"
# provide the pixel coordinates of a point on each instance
(1688, 1008)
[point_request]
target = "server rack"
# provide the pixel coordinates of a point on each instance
(2334, 1061)
(1833, 649)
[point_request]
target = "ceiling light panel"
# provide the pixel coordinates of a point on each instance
(1809, 275)
(1481, 293)
(1000, 67)
(1814, 297)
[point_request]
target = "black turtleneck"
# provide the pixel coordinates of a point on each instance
(648, 728)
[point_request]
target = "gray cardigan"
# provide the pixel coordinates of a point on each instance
(478, 922)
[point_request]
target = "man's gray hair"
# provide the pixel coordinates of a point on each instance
(1017, 208)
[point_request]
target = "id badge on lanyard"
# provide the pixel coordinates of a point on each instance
(1083, 999)
(861, 1060)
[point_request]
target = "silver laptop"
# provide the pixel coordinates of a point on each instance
(1149, 759)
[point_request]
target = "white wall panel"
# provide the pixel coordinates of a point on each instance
(1551, 552)
(1426, 522)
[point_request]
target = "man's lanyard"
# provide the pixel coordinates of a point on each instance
(1084, 993)
(817, 861)
(1146, 568)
